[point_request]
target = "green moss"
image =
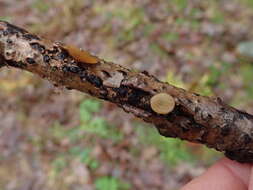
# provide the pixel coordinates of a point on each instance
(83, 154)
(111, 183)
(87, 108)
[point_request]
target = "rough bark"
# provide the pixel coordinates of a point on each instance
(195, 118)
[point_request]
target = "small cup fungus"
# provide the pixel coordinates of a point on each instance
(162, 103)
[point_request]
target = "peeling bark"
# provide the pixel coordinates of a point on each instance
(195, 118)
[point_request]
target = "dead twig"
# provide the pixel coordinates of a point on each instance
(194, 118)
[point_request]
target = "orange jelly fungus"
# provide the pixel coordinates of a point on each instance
(81, 55)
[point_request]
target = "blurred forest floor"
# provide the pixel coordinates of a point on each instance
(58, 139)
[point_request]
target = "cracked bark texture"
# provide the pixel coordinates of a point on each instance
(195, 118)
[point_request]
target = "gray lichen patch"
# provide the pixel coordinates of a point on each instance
(16, 49)
(114, 80)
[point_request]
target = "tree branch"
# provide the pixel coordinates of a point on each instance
(195, 118)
